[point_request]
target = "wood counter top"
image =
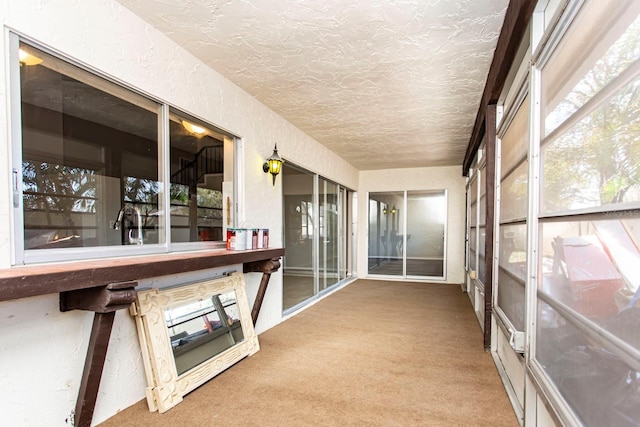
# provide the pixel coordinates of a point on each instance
(32, 280)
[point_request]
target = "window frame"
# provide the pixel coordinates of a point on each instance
(519, 98)
(20, 255)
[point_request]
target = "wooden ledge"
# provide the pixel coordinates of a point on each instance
(32, 280)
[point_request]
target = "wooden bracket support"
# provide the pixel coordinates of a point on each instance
(101, 299)
(266, 267)
(93, 365)
(104, 301)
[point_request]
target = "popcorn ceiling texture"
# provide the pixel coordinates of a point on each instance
(383, 84)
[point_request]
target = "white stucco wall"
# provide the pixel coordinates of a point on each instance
(438, 178)
(42, 350)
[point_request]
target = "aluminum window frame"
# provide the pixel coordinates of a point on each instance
(20, 255)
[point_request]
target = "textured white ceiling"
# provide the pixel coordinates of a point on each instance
(384, 84)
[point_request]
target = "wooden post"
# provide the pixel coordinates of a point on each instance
(489, 182)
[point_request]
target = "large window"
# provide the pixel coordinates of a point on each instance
(89, 167)
(588, 315)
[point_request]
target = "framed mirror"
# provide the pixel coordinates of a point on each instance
(191, 333)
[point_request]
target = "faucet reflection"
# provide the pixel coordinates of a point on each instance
(138, 239)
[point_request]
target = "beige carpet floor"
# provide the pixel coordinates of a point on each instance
(376, 353)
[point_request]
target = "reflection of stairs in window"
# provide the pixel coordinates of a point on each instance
(205, 170)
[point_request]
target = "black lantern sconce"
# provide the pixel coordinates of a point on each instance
(273, 164)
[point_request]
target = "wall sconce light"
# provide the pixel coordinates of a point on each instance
(273, 164)
(384, 211)
(393, 210)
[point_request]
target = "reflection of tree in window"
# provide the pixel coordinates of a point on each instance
(619, 57)
(58, 188)
(141, 190)
(597, 160)
(209, 203)
(143, 194)
(179, 195)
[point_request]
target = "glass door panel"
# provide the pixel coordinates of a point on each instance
(329, 242)
(299, 228)
(386, 225)
(343, 215)
(426, 217)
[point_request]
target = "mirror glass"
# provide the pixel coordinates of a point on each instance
(202, 329)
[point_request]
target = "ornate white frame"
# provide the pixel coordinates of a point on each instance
(165, 388)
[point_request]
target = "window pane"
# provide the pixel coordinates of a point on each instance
(511, 272)
(514, 185)
(601, 388)
(472, 248)
(198, 159)
(482, 207)
(473, 201)
(588, 266)
(600, 45)
(514, 193)
(593, 103)
(89, 159)
(515, 141)
(426, 216)
(597, 161)
(482, 270)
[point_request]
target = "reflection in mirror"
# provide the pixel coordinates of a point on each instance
(202, 329)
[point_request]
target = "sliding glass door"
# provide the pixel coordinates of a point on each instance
(407, 233)
(316, 226)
